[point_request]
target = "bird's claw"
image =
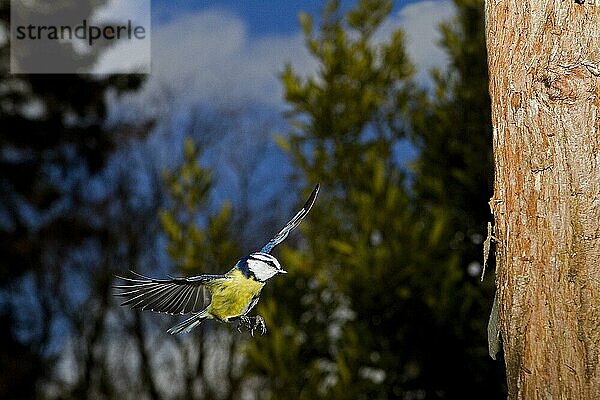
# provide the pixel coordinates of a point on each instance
(244, 322)
(252, 324)
(259, 322)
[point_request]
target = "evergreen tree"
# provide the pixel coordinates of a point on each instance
(199, 244)
(379, 302)
(196, 250)
(335, 320)
(451, 129)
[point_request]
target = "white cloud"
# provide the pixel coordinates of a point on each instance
(120, 10)
(420, 22)
(210, 57)
(127, 55)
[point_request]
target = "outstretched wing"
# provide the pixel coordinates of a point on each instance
(294, 222)
(171, 296)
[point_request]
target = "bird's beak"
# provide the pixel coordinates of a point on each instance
(282, 271)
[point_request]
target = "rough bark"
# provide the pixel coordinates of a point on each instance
(544, 58)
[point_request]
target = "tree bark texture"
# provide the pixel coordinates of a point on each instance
(544, 68)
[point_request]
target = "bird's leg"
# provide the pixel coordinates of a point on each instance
(252, 324)
(244, 321)
(259, 323)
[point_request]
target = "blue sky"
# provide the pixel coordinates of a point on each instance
(234, 50)
(228, 55)
(263, 17)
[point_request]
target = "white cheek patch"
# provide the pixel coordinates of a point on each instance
(261, 271)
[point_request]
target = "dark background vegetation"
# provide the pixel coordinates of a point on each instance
(383, 299)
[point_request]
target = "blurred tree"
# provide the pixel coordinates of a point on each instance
(54, 137)
(125, 357)
(451, 129)
(334, 326)
(16, 377)
(86, 365)
(195, 250)
(200, 244)
(379, 303)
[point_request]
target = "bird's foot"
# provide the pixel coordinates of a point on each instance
(244, 321)
(259, 323)
(252, 324)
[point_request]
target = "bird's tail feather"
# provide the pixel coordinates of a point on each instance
(189, 324)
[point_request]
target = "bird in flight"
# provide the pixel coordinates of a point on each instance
(233, 294)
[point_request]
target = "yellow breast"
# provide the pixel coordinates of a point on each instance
(231, 297)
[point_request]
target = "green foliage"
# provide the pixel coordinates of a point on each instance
(199, 241)
(378, 302)
(193, 248)
(453, 183)
(356, 91)
(453, 128)
(338, 308)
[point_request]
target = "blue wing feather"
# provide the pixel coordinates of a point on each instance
(293, 223)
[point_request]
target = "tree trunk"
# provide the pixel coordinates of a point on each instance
(544, 73)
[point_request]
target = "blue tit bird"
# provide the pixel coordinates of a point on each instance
(232, 295)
